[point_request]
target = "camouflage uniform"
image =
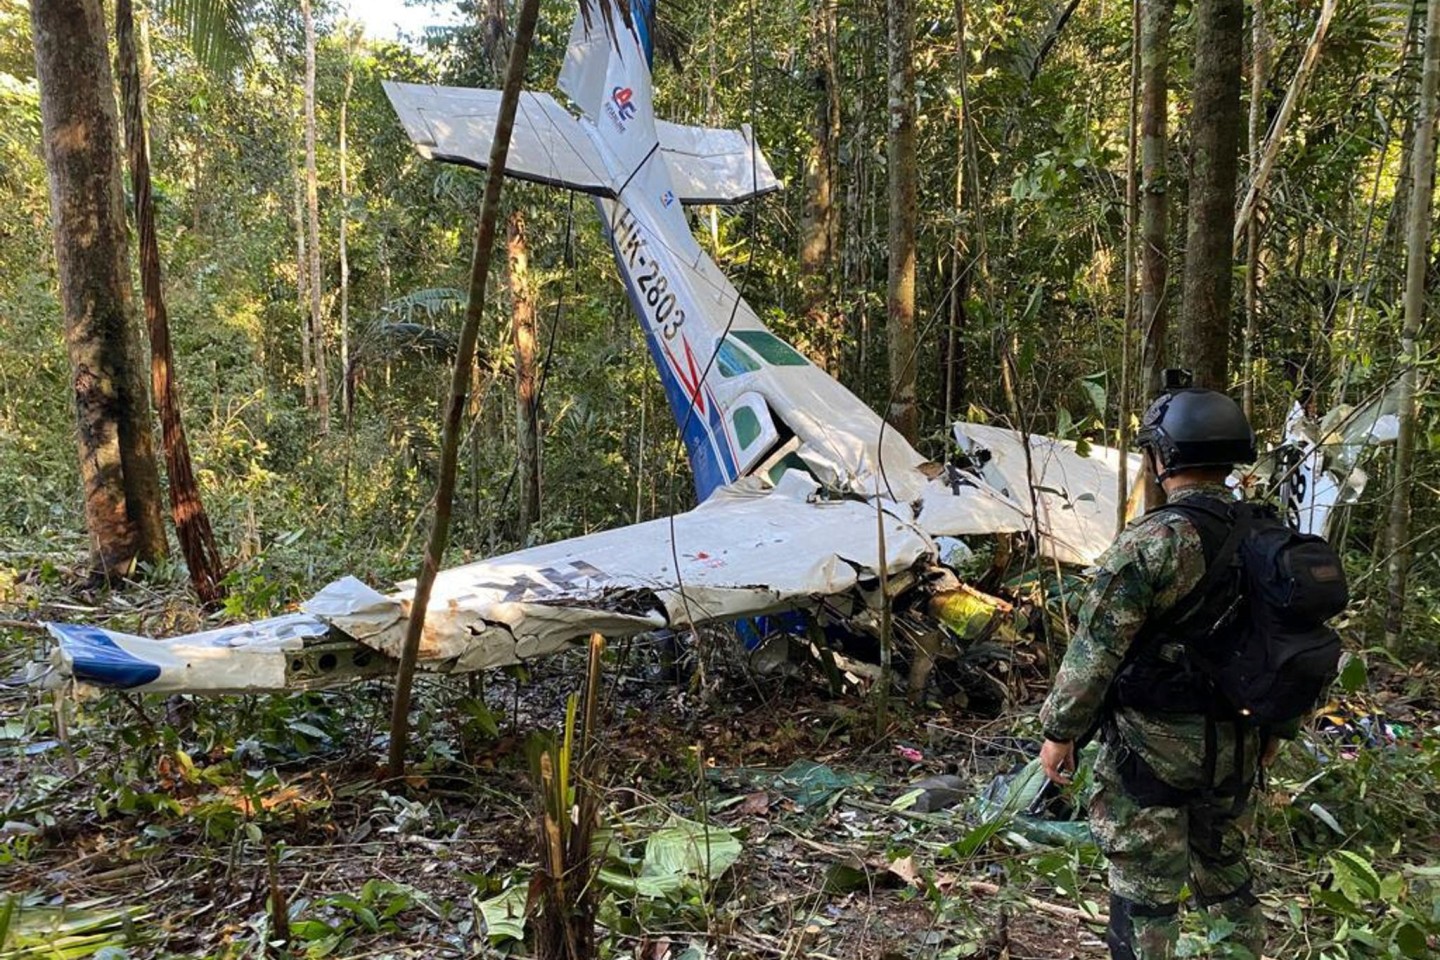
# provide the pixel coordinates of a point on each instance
(1196, 832)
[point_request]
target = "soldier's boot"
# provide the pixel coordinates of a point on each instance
(1141, 931)
(1242, 908)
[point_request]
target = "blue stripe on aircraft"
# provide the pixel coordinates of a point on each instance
(100, 660)
(642, 13)
(711, 462)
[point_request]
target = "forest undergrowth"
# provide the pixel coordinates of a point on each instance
(751, 814)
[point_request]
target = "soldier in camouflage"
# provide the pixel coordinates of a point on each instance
(1165, 814)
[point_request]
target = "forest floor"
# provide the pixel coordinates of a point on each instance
(172, 828)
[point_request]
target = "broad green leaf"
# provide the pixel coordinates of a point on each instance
(680, 856)
(504, 916)
(1355, 877)
(1354, 674)
(1411, 941)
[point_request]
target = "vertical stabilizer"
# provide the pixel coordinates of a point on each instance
(607, 75)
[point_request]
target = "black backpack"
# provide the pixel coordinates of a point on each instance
(1254, 628)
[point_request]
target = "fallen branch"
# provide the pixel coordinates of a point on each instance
(981, 888)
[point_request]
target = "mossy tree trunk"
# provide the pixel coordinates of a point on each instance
(82, 158)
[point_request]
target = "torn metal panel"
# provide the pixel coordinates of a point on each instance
(958, 506)
(1076, 496)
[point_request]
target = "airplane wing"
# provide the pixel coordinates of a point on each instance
(744, 552)
(1076, 496)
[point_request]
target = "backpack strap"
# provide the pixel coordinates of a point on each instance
(1210, 516)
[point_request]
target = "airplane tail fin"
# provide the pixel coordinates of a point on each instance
(607, 75)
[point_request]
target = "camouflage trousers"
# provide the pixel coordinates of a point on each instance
(1156, 851)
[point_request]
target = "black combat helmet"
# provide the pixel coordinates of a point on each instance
(1191, 427)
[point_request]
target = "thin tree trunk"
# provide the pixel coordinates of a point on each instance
(302, 288)
(527, 416)
(82, 158)
(1214, 158)
(955, 372)
(900, 156)
(818, 230)
(187, 510)
(1132, 229)
(346, 400)
(312, 213)
(1154, 263)
(1417, 259)
(1259, 77)
(459, 383)
(1260, 176)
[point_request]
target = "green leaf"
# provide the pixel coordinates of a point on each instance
(215, 29)
(1355, 877)
(1096, 392)
(323, 947)
(504, 916)
(679, 857)
(1411, 941)
(1354, 674)
(310, 929)
(1064, 424)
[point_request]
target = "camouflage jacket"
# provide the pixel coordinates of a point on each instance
(1154, 562)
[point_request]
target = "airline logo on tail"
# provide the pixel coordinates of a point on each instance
(620, 108)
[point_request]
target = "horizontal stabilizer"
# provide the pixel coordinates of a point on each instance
(710, 165)
(457, 125)
(549, 145)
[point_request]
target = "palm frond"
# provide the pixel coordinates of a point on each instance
(216, 30)
(430, 301)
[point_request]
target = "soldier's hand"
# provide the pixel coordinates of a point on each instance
(1269, 752)
(1057, 759)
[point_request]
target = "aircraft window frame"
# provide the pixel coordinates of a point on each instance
(733, 360)
(747, 426)
(771, 348)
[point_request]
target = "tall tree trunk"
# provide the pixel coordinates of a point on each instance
(1265, 163)
(1259, 77)
(82, 158)
(187, 510)
(953, 374)
(818, 230)
(1214, 158)
(900, 167)
(346, 400)
(527, 415)
(312, 214)
(302, 287)
(1132, 230)
(1154, 203)
(1417, 259)
(459, 382)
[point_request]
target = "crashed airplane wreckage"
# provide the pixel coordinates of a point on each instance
(805, 496)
